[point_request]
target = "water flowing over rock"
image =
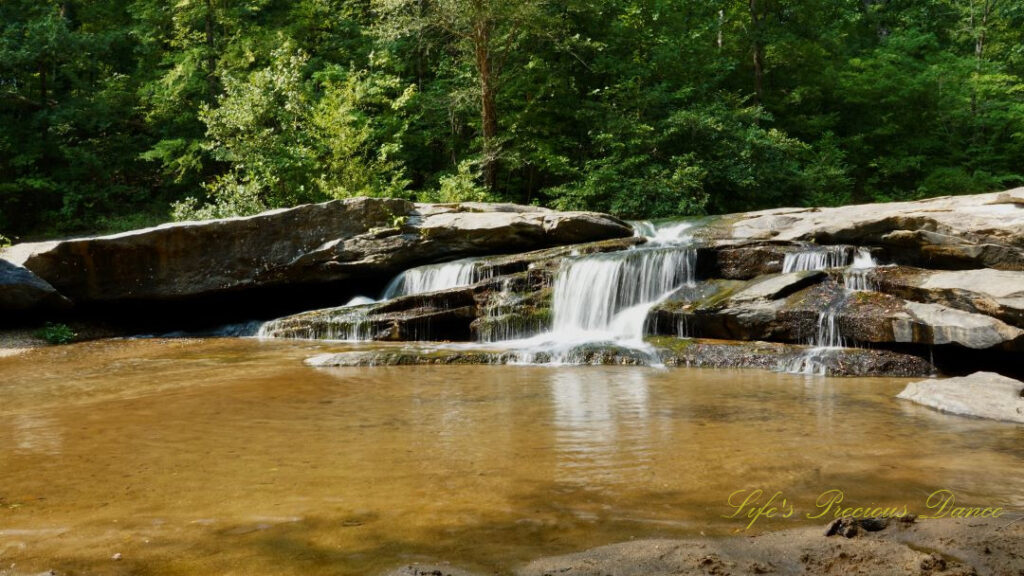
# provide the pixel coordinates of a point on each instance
(982, 395)
(351, 244)
(671, 351)
(818, 259)
(818, 291)
(432, 278)
(611, 293)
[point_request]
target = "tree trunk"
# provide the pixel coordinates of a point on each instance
(721, 25)
(488, 108)
(757, 51)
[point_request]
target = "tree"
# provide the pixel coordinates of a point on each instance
(481, 32)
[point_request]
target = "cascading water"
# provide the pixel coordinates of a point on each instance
(856, 277)
(610, 294)
(511, 316)
(604, 299)
(817, 259)
(351, 322)
(828, 338)
(433, 278)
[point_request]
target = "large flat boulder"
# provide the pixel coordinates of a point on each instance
(22, 291)
(357, 241)
(982, 395)
(952, 232)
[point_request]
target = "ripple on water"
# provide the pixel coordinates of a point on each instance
(232, 455)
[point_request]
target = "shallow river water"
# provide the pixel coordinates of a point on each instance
(232, 457)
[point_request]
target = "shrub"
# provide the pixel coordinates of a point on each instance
(56, 333)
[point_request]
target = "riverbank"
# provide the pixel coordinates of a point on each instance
(952, 547)
(18, 341)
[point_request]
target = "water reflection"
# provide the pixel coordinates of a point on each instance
(35, 433)
(600, 419)
(384, 466)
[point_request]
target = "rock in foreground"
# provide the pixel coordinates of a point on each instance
(982, 395)
(952, 547)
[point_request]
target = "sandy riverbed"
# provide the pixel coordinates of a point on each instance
(951, 547)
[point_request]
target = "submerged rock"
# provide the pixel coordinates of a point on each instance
(704, 353)
(982, 395)
(358, 241)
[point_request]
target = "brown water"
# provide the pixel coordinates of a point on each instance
(232, 457)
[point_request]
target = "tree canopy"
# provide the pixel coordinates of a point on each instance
(119, 114)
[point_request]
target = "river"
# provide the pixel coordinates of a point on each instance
(230, 456)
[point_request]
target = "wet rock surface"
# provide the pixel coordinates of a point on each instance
(996, 293)
(665, 350)
(792, 307)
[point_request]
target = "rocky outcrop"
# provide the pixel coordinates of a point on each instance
(950, 546)
(952, 232)
(21, 291)
(793, 307)
(513, 300)
(748, 260)
(982, 395)
(354, 243)
(996, 293)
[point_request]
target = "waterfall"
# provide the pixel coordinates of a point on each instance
(511, 316)
(828, 338)
(432, 278)
(603, 299)
(817, 259)
(611, 293)
(856, 277)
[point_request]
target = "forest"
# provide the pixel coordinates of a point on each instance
(119, 114)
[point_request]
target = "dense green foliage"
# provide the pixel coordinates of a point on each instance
(115, 114)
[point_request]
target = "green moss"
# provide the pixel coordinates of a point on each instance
(671, 343)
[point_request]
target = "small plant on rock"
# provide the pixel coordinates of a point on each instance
(56, 333)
